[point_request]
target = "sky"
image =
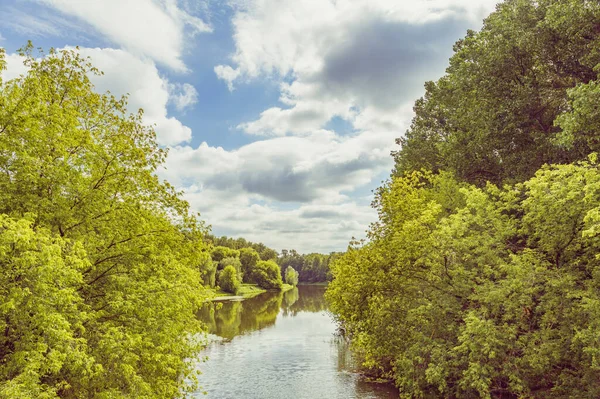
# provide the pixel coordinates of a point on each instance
(279, 115)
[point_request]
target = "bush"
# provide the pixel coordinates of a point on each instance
(228, 280)
(267, 275)
(235, 262)
(291, 276)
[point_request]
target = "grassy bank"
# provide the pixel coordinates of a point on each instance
(321, 283)
(246, 291)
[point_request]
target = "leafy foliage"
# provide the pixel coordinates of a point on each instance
(496, 295)
(42, 315)
(493, 116)
(464, 289)
(219, 253)
(267, 275)
(263, 251)
(102, 279)
(228, 280)
(291, 276)
(235, 263)
(207, 269)
(311, 267)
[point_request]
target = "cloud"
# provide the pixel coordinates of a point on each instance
(182, 96)
(125, 73)
(362, 61)
(228, 74)
(275, 190)
(14, 67)
(285, 169)
(342, 58)
(156, 29)
(315, 227)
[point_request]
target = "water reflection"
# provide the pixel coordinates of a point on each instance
(228, 319)
(280, 345)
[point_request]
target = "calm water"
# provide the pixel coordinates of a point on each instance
(280, 345)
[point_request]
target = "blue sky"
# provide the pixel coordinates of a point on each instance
(279, 114)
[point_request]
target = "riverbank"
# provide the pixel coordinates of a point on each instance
(318, 283)
(246, 291)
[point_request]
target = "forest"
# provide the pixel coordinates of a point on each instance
(481, 277)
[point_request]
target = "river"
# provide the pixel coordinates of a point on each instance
(280, 345)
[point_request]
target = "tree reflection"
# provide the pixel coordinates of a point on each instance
(228, 319)
(310, 299)
(231, 318)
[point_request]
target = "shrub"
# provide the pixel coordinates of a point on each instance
(267, 275)
(228, 280)
(291, 276)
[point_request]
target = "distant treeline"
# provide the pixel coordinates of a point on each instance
(264, 252)
(311, 268)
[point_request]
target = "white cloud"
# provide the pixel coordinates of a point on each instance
(14, 67)
(183, 96)
(315, 227)
(156, 29)
(228, 74)
(364, 61)
(275, 190)
(125, 73)
(341, 57)
(285, 169)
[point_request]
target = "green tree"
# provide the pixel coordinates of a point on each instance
(249, 258)
(228, 280)
(220, 253)
(291, 276)
(267, 275)
(267, 254)
(207, 269)
(492, 117)
(42, 314)
(464, 289)
(83, 169)
(311, 267)
(235, 263)
(491, 296)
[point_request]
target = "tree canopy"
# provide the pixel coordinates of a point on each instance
(267, 275)
(100, 259)
(505, 106)
(480, 278)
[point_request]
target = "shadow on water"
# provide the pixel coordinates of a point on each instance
(288, 335)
